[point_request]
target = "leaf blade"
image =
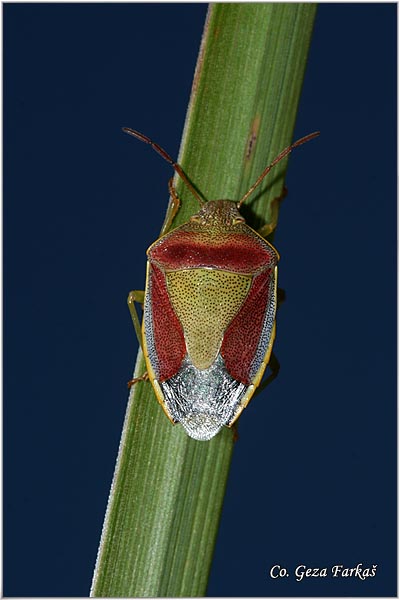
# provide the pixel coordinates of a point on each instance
(167, 493)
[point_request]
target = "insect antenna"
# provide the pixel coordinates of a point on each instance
(166, 156)
(284, 153)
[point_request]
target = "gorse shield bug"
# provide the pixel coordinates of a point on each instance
(209, 309)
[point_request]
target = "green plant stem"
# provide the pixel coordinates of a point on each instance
(167, 493)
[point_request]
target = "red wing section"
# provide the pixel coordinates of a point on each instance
(246, 339)
(165, 341)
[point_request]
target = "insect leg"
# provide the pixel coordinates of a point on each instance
(235, 432)
(274, 366)
(136, 296)
(281, 297)
(173, 207)
(144, 377)
(265, 230)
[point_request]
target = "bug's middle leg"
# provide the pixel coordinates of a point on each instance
(136, 296)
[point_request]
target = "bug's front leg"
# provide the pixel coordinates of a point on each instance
(173, 207)
(267, 229)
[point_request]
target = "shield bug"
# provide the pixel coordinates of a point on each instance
(209, 309)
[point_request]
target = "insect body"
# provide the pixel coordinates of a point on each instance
(209, 312)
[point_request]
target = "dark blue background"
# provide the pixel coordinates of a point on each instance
(313, 478)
